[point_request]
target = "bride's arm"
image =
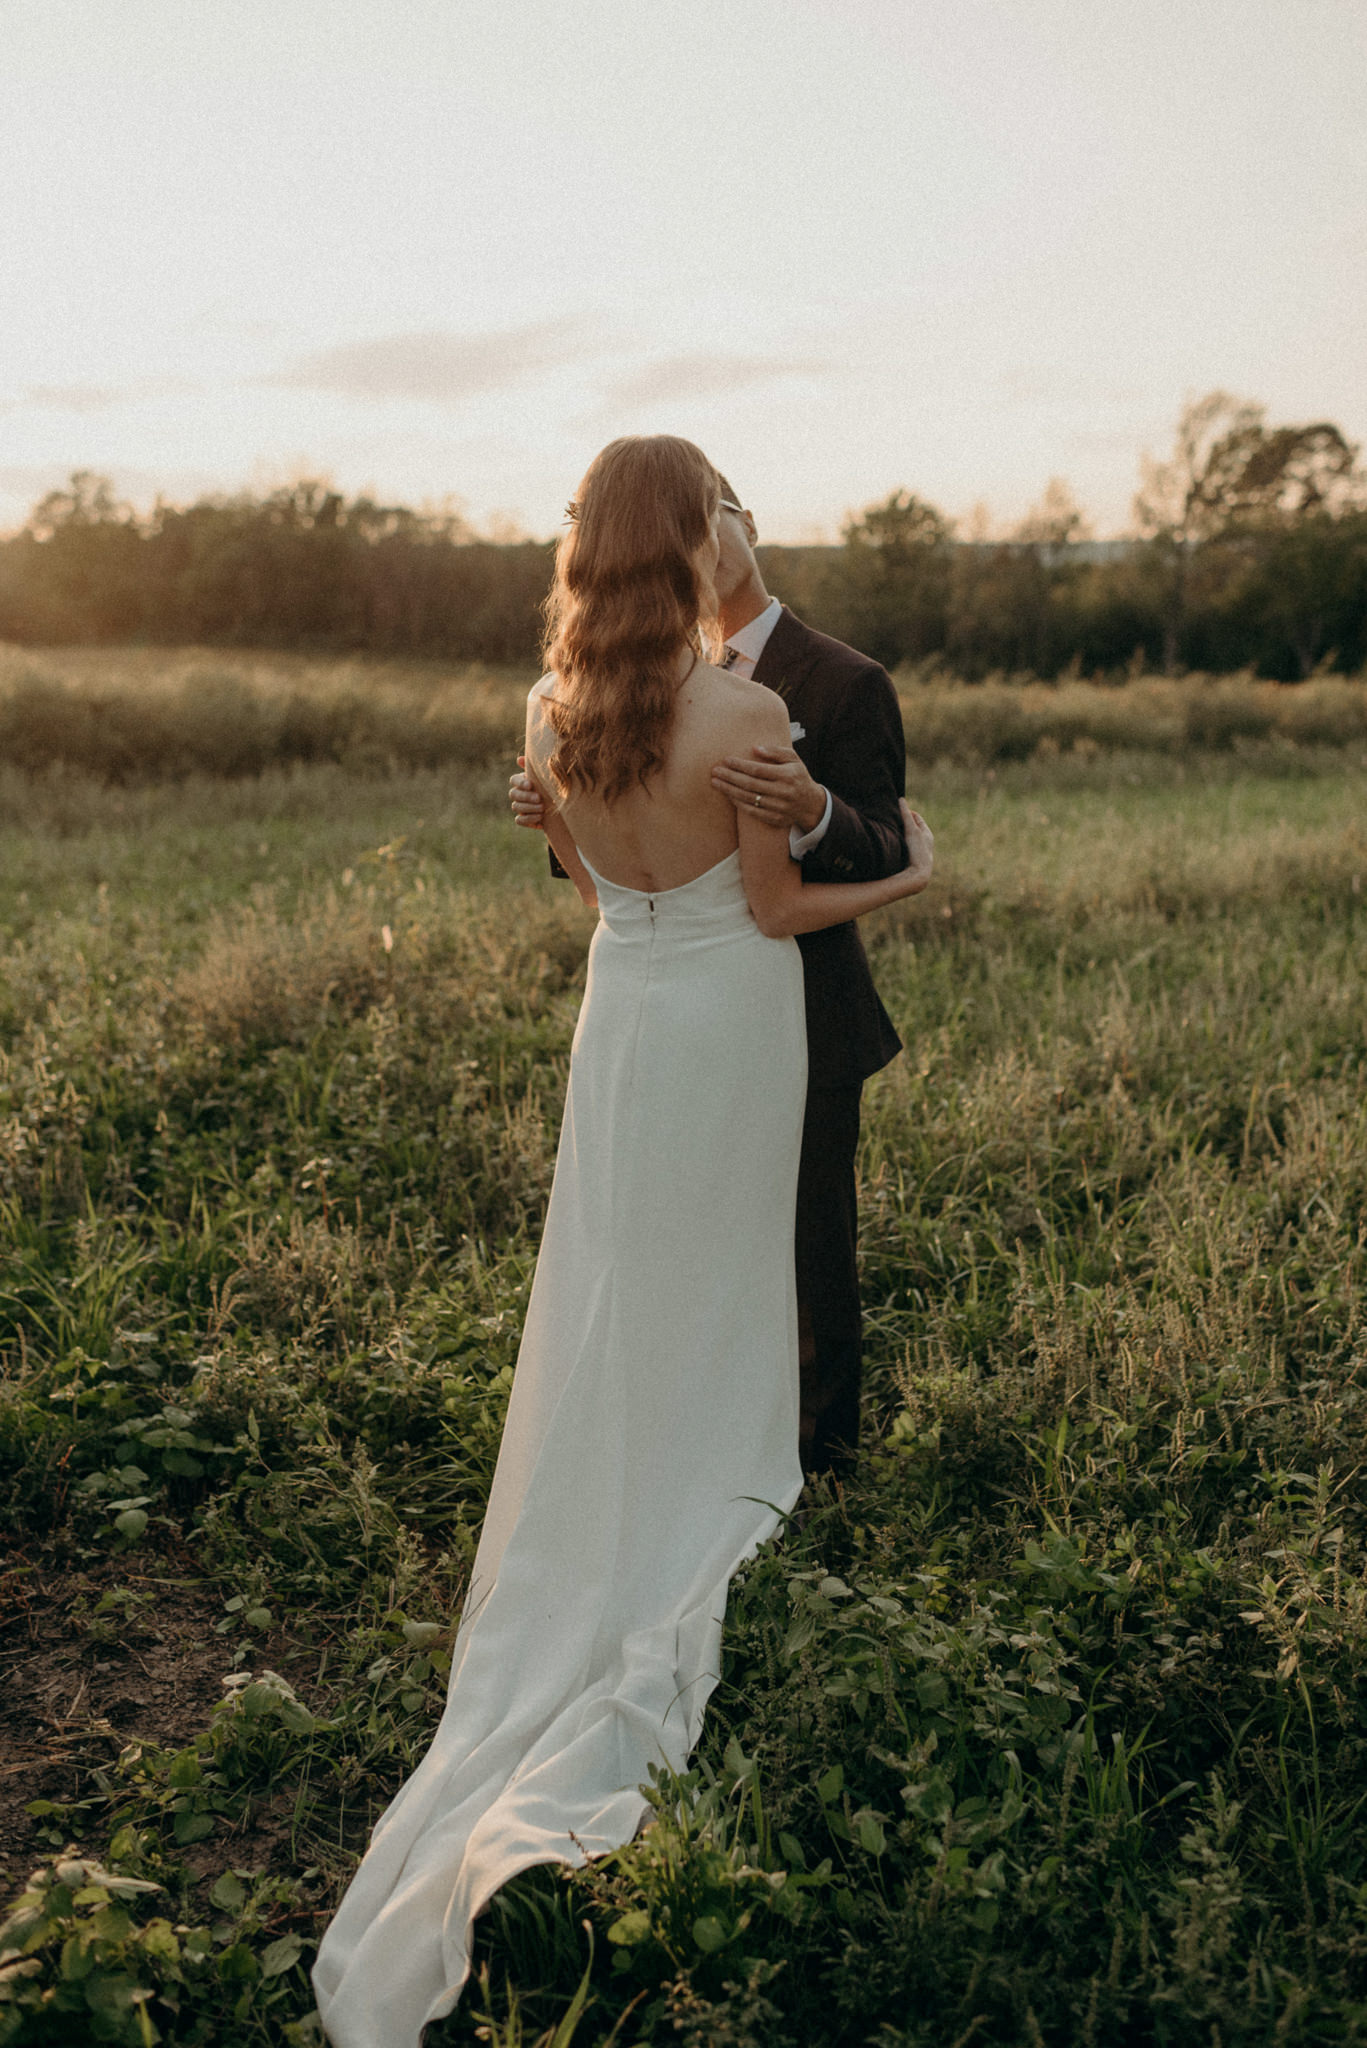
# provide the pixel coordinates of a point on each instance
(552, 824)
(784, 905)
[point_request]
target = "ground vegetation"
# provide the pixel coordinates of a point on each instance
(1047, 1728)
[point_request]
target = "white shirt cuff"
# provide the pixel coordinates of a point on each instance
(803, 842)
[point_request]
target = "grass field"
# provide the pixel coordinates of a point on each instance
(1049, 1730)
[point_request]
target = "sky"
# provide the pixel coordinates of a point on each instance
(442, 250)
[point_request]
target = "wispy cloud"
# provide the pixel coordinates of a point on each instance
(74, 397)
(84, 398)
(706, 375)
(1032, 386)
(442, 368)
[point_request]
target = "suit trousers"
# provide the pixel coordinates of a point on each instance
(831, 1346)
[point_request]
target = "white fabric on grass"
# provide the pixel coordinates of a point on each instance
(651, 1442)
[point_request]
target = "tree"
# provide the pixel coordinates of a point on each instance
(1230, 477)
(1297, 473)
(1003, 609)
(1306, 599)
(87, 501)
(889, 589)
(1182, 502)
(80, 550)
(1058, 521)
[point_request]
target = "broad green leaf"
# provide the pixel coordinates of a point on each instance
(229, 1892)
(158, 1938)
(78, 1958)
(710, 1933)
(111, 1923)
(108, 1993)
(931, 1800)
(420, 1635)
(736, 1761)
(190, 1826)
(281, 1955)
(630, 1929)
(237, 1965)
(871, 1835)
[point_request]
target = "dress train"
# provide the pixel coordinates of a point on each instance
(650, 1446)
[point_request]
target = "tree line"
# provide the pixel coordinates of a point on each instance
(1251, 553)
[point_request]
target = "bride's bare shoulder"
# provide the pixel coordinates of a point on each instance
(758, 708)
(736, 714)
(740, 697)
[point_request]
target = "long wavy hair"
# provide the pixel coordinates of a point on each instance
(627, 596)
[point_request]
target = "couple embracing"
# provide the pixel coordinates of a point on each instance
(656, 1435)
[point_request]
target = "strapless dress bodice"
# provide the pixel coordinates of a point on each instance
(714, 900)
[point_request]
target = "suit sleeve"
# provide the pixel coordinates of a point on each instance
(556, 869)
(864, 759)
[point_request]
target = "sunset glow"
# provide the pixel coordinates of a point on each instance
(449, 248)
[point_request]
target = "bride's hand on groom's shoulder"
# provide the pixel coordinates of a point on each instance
(525, 799)
(920, 849)
(775, 784)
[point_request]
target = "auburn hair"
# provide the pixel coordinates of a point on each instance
(626, 597)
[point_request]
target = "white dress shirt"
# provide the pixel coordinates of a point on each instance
(749, 643)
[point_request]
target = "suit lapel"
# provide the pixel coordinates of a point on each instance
(784, 660)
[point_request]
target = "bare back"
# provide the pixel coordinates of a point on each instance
(677, 826)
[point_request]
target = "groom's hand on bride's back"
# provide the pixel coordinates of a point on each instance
(525, 798)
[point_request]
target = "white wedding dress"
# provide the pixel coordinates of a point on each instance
(650, 1446)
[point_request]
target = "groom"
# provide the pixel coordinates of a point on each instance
(835, 792)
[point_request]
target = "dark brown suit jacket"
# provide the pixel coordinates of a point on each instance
(851, 741)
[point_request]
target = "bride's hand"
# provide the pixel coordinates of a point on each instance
(920, 849)
(525, 798)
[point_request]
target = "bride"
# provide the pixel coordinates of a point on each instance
(652, 1435)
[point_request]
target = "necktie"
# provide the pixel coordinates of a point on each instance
(731, 657)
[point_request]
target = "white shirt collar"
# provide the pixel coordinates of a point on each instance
(751, 640)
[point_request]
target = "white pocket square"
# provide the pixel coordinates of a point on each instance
(796, 731)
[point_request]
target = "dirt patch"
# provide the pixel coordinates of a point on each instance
(91, 1660)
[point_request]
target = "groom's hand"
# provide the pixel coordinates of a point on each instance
(787, 795)
(525, 798)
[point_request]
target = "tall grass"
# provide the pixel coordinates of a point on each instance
(153, 715)
(1011, 720)
(1047, 1729)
